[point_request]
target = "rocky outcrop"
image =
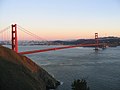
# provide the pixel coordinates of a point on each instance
(17, 72)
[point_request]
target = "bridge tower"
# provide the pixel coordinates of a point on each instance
(96, 41)
(14, 38)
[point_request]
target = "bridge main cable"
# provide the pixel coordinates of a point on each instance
(5, 29)
(31, 34)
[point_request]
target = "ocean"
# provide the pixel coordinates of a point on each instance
(101, 69)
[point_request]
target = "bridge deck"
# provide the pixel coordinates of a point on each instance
(59, 48)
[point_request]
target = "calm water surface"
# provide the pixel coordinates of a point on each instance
(101, 69)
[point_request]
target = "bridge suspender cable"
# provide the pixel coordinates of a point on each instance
(3, 33)
(5, 29)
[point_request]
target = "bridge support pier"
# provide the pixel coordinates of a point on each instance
(14, 38)
(96, 41)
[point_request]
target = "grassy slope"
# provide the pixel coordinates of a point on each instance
(15, 77)
(18, 72)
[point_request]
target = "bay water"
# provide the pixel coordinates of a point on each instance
(101, 69)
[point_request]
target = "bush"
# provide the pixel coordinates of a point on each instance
(80, 85)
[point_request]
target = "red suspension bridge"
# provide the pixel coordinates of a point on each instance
(14, 40)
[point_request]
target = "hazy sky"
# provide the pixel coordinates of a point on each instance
(63, 19)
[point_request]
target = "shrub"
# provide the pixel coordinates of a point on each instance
(80, 85)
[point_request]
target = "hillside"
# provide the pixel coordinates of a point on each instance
(18, 72)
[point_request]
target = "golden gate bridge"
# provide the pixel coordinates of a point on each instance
(14, 40)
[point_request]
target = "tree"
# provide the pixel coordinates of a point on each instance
(80, 85)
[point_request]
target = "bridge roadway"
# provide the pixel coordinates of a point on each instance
(59, 48)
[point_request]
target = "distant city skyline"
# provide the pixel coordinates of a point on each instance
(63, 19)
